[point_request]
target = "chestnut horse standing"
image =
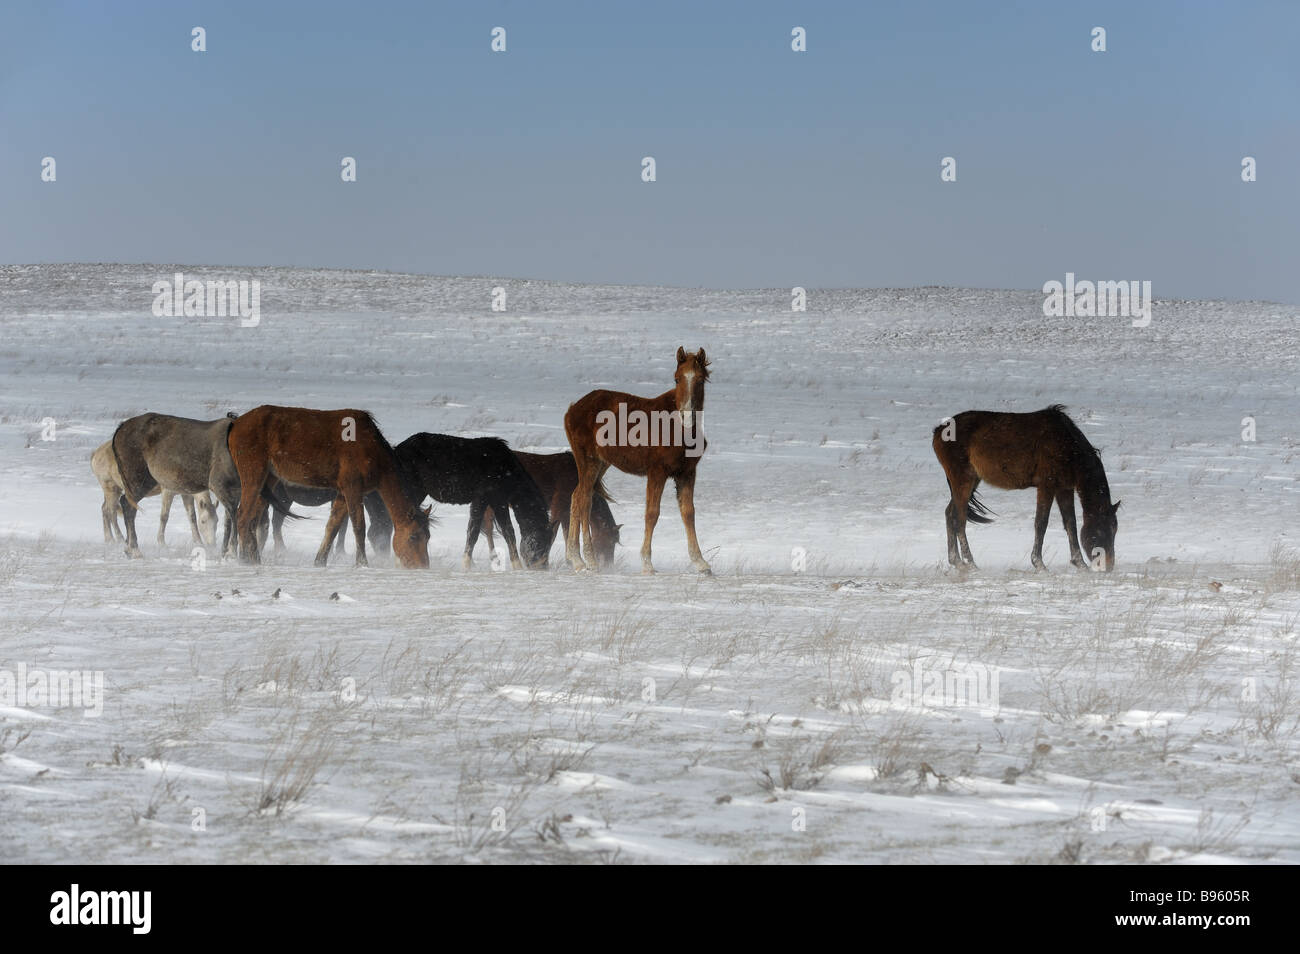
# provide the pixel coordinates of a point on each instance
(339, 450)
(1042, 449)
(655, 438)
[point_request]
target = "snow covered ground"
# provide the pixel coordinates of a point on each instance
(764, 714)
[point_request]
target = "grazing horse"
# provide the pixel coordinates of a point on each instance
(203, 518)
(340, 450)
(481, 472)
(1042, 449)
(556, 475)
(178, 454)
(379, 532)
(655, 438)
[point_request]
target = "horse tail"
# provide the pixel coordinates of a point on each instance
(131, 497)
(279, 507)
(976, 512)
(600, 491)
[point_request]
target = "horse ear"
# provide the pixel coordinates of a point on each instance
(681, 354)
(700, 355)
(1115, 506)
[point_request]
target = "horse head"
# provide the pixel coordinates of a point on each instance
(205, 514)
(1097, 535)
(411, 538)
(692, 372)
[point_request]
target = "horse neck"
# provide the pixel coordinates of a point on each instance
(666, 401)
(1090, 479)
(399, 505)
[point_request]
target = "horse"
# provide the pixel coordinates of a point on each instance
(655, 438)
(379, 532)
(481, 472)
(341, 450)
(1042, 449)
(176, 454)
(556, 475)
(200, 508)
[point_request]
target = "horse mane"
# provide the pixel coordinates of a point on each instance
(1084, 453)
(409, 489)
(526, 498)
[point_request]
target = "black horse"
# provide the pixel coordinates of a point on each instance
(482, 472)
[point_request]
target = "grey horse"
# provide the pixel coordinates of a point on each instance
(200, 508)
(178, 454)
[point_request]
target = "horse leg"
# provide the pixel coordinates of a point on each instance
(250, 510)
(586, 534)
(686, 504)
(589, 541)
(129, 510)
(380, 532)
(654, 492)
(356, 503)
(488, 517)
(338, 510)
(1065, 502)
(502, 511)
(187, 500)
(950, 521)
(167, 498)
(277, 528)
(263, 526)
(228, 535)
(1041, 515)
(477, 509)
(108, 510)
(967, 492)
(340, 550)
(580, 504)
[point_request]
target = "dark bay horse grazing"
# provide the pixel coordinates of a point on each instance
(1042, 449)
(379, 532)
(343, 451)
(482, 472)
(556, 476)
(655, 438)
(177, 454)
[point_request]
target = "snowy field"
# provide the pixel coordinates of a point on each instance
(761, 715)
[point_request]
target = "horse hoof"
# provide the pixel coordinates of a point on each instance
(647, 571)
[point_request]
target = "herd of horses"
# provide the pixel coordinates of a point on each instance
(259, 464)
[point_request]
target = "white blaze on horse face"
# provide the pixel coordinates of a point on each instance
(689, 406)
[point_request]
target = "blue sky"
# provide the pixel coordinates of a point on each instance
(774, 168)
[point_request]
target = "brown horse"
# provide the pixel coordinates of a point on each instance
(1042, 449)
(655, 438)
(340, 450)
(556, 476)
